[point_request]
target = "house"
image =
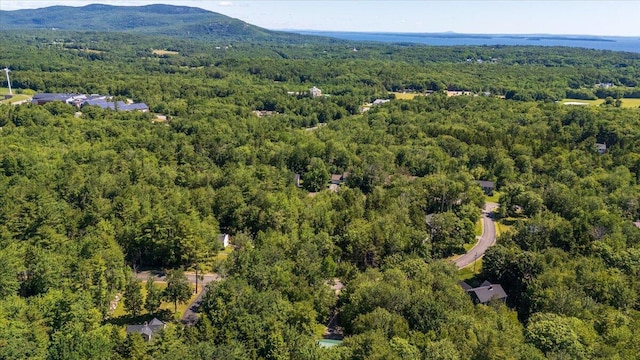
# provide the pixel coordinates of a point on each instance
(103, 103)
(484, 293)
(44, 98)
(458, 93)
(147, 330)
(380, 101)
(487, 186)
(338, 179)
(135, 106)
(637, 224)
(464, 286)
(601, 148)
(224, 240)
(315, 92)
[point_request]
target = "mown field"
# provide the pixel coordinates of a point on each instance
(626, 103)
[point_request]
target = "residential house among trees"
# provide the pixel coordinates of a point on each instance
(601, 148)
(487, 186)
(315, 92)
(147, 330)
(484, 293)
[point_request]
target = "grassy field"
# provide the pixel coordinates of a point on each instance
(164, 52)
(478, 227)
(120, 312)
(405, 96)
(222, 255)
(631, 103)
(626, 103)
(15, 98)
(504, 225)
(467, 272)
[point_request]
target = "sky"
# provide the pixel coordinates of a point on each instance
(575, 17)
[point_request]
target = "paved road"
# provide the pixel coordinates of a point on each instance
(487, 239)
(160, 276)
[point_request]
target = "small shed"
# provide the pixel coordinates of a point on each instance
(601, 148)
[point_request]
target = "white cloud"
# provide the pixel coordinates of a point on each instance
(225, 3)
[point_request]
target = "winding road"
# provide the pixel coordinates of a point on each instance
(487, 239)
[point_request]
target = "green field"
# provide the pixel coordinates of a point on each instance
(15, 98)
(626, 103)
(471, 270)
(405, 96)
(478, 227)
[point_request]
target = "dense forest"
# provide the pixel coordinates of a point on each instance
(88, 197)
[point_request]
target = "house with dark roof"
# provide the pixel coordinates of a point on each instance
(119, 105)
(487, 186)
(135, 106)
(484, 293)
(147, 330)
(380, 101)
(44, 98)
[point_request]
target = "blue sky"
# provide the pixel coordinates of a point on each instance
(502, 17)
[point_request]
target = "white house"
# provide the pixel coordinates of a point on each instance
(315, 92)
(224, 240)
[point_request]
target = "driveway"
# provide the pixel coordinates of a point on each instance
(190, 315)
(487, 239)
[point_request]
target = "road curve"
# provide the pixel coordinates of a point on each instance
(487, 239)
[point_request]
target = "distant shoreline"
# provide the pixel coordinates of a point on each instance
(613, 43)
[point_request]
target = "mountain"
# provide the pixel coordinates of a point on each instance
(150, 19)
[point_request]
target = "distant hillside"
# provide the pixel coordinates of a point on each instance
(151, 19)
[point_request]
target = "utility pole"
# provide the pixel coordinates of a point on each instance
(475, 261)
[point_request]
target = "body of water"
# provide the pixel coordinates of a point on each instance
(613, 43)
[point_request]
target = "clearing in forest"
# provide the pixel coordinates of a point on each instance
(626, 103)
(164, 52)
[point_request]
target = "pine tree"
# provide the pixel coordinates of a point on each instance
(133, 302)
(178, 289)
(154, 297)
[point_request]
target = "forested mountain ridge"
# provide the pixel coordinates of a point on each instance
(88, 196)
(171, 20)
